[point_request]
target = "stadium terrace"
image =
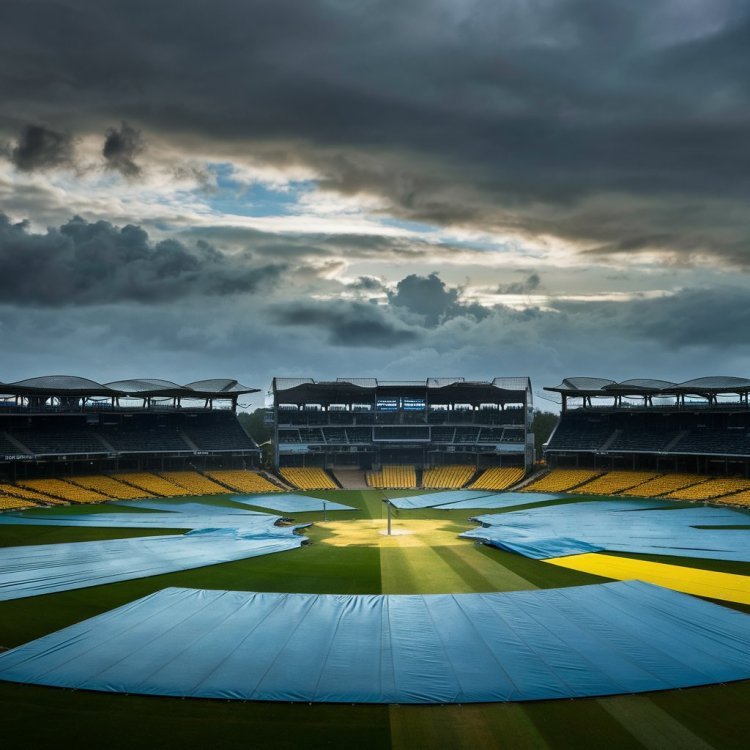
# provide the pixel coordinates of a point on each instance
(369, 425)
(66, 424)
(700, 426)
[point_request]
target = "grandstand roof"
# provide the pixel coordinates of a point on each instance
(638, 386)
(579, 386)
(714, 384)
(435, 390)
(71, 386)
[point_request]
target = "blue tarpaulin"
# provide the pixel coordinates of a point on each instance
(500, 500)
(290, 503)
(457, 499)
(646, 527)
(430, 499)
(179, 516)
(49, 568)
(613, 638)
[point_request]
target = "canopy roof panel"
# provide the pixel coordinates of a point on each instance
(715, 383)
(434, 390)
(72, 386)
(711, 385)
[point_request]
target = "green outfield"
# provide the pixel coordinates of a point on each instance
(347, 554)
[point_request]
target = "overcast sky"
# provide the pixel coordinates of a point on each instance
(403, 189)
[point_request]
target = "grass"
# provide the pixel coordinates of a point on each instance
(431, 559)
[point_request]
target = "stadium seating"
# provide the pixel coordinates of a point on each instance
(8, 447)
(25, 494)
(243, 481)
(308, 479)
(144, 440)
(153, 484)
(497, 478)
(561, 480)
(580, 435)
(64, 490)
(447, 477)
(110, 487)
(707, 441)
(393, 477)
(711, 488)
(615, 481)
(55, 442)
(7, 502)
(662, 485)
(643, 438)
(195, 483)
(741, 499)
(222, 433)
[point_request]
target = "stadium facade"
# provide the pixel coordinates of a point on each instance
(63, 424)
(699, 426)
(364, 423)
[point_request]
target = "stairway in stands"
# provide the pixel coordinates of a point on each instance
(351, 479)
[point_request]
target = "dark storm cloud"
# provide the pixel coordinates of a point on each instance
(430, 298)
(349, 324)
(617, 125)
(82, 263)
(425, 295)
(121, 147)
(39, 147)
(716, 319)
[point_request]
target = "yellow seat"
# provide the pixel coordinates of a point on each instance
(308, 478)
(498, 478)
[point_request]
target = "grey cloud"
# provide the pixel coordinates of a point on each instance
(500, 115)
(527, 286)
(367, 284)
(39, 147)
(121, 147)
(431, 299)
(82, 263)
(349, 324)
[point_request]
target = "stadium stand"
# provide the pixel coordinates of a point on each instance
(243, 481)
(195, 483)
(741, 499)
(581, 435)
(222, 432)
(654, 424)
(663, 485)
(8, 502)
(154, 439)
(614, 482)
(25, 494)
(64, 490)
(52, 442)
(497, 478)
(561, 480)
(67, 426)
(453, 476)
(308, 479)
(711, 488)
(8, 447)
(110, 487)
(393, 477)
(361, 423)
(154, 485)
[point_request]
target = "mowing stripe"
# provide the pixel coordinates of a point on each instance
(653, 727)
(726, 586)
(486, 726)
